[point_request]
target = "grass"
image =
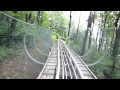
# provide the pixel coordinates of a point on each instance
(8, 53)
(19, 64)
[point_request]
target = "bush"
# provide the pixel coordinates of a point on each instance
(6, 53)
(3, 53)
(54, 38)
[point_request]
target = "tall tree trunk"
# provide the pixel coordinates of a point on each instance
(70, 23)
(41, 19)
(38, 17)
(99, 47)
(115, 50)
(27, 18)
(15, 11)
(101, 33)
(104, 26)
(86, 34)
(10, 30)
(97, 38)
(105, 19)
(13, 25)
(8, 35)
(78, 27)
(112, 42)
(98, 32)
(90, 36)
(116, 44)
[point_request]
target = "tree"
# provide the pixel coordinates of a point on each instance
(78, 26)
(101, 31)
(58, 22)
(116, 43)
(10, 30)
(38, 17)
(103, 24)
(86, 33)
(70, 23)
(90, 36)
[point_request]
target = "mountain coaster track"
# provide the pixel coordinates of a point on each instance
(64, 63)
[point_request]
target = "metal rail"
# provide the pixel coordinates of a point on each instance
(58, 63)
(84, 64)
(67, 66)
(48, 70)
(75, 64)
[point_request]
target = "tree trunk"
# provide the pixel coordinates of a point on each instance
(77, 28)
(112, 42)
(86, 34)
(99, 47)
(38, 17)
(115, 50)
(8, 36)
(116, 44)
(104, 26)
(41, 19)
(15, 11)
(105, 19)
(13, 25)
(97, 34)
(84, 43)
(70, 23)
(90, 36)
(10, 30)
(101, 33)
(27, 18)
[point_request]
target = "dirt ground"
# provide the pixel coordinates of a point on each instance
(17, 68)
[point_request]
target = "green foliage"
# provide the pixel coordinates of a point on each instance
(58, 24)
(7, 53)
(54, 36)
(45, 22)
(100, 69)
(3, 53)
(3, 28)
(58, 20)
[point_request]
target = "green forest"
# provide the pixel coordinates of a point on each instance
(28, 31)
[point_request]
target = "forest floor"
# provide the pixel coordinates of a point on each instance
(15, 64)
(11, 68)
(18, 68)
